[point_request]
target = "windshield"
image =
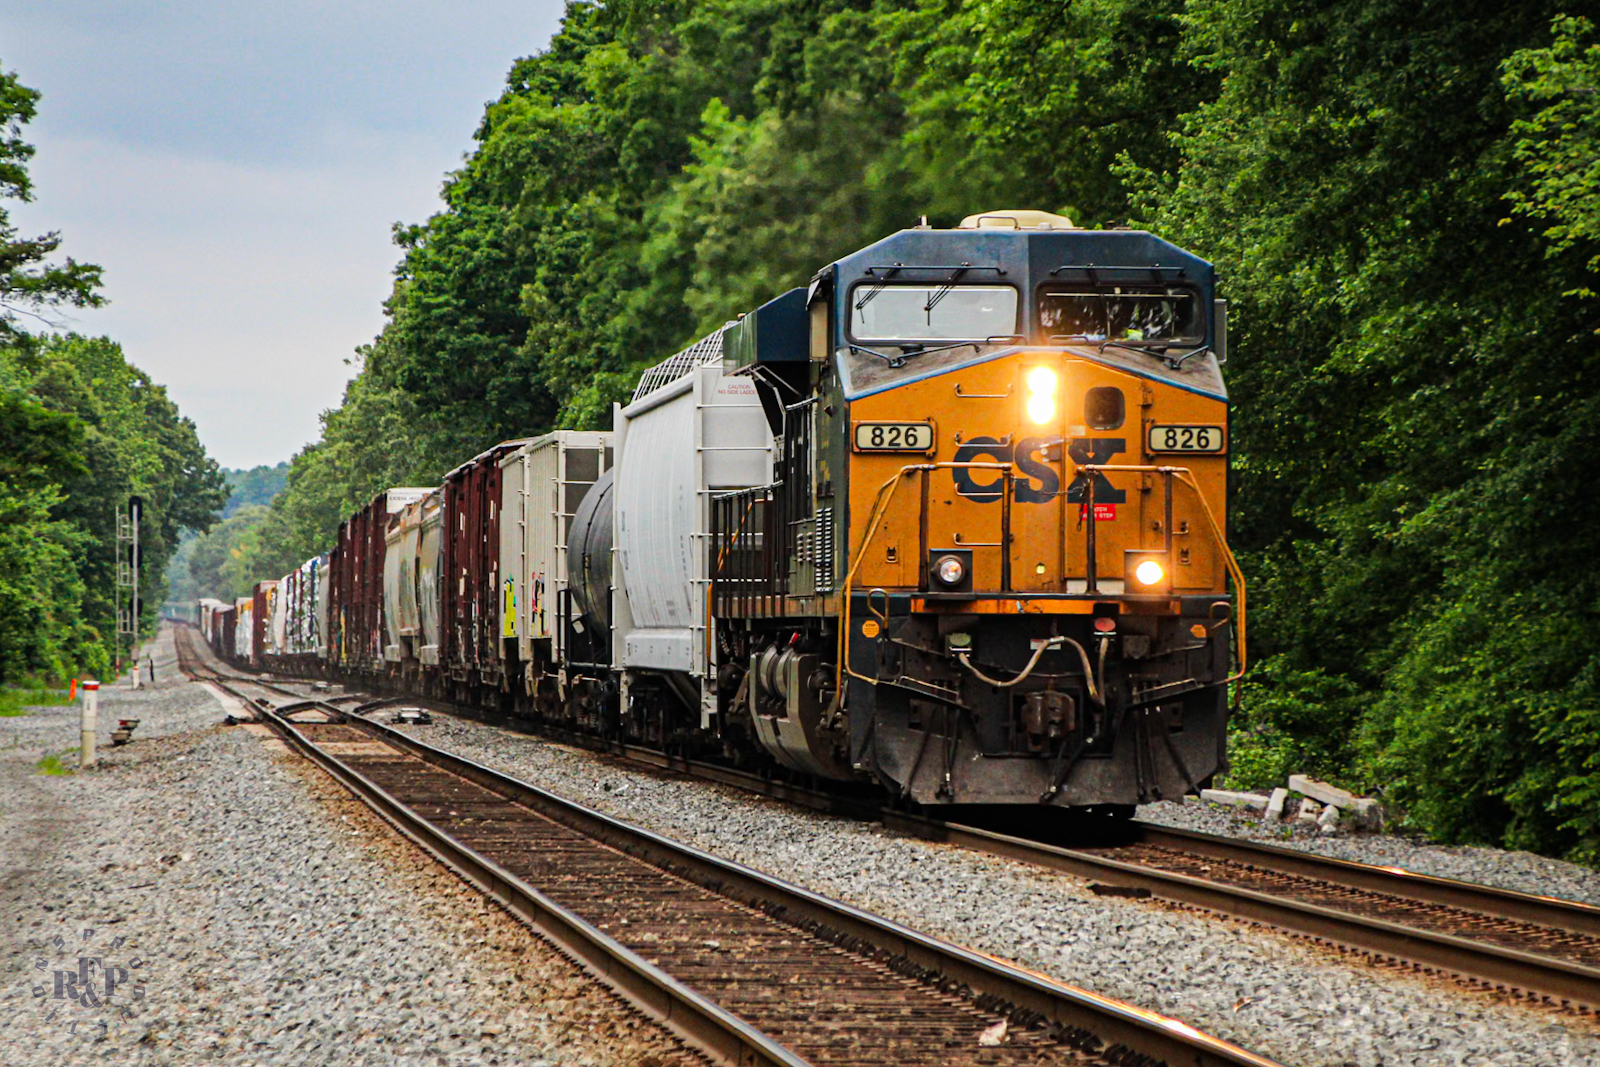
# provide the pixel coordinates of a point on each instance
(1122, 313)
(934, 312)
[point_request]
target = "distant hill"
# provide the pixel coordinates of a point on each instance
(258, 485)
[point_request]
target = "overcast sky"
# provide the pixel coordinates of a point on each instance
(236, 168)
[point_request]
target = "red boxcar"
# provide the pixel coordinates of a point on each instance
(469, 602)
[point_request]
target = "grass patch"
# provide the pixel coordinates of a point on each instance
(18, 701)
(53, 764)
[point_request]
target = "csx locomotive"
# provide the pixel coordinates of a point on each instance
(950, 519)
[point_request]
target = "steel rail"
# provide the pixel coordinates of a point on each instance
(688, 1015)
(865, 806)
(691, 1018)
(1573, 984)
(1509, 904)
(1117, 1027)
(1576, 984)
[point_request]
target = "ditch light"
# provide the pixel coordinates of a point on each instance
(1147, 572)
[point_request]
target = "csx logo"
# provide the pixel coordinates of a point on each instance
(1040, 482)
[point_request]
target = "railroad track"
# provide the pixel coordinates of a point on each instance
(746, 968)
(1535, 948)
(194, 662)
(1539, 949)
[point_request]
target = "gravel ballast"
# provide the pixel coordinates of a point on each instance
(256, 914)
(171, 706)
(1282, 998)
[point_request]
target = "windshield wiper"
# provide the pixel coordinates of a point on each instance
(866, 298)
(1137, 349)
(907, 351)
(943, 291)
(1174, 364)
(893, 361)
(911, 349)
(1197, 350)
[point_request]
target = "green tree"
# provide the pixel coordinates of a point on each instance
(31, 285)
(218, 562)
(1414, 404)
(41, 622)
(258, 485)
(1559, 145)
(1031, 102)
(131, 441)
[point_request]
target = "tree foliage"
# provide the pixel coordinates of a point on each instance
(30, 285)
(95, 430)
(258, 485)
(1416, 403)
(40, 595)
(81, 430)
(1559, 145)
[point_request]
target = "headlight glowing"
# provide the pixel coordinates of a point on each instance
(949, 570)
(1149, 573)
(1041, 395)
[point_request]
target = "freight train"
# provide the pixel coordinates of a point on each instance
(949, 519)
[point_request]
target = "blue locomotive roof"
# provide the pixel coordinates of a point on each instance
(992, 253)
(1031, 261)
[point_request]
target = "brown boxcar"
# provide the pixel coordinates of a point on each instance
(470, 593)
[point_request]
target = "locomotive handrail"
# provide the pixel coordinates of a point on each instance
(880, 507)
(1186, 476)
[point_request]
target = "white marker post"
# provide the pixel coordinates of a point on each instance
(91, 715)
